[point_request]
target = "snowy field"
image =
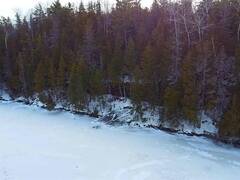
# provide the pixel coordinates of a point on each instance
(40, 145)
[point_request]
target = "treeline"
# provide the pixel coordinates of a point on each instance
(177, 55)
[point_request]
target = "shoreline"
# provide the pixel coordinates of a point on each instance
(213, 137)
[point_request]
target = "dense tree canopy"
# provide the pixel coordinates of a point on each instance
(177, 55)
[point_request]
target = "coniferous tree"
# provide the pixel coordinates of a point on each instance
(172, 105)
(230, 125)
(150, 69)
(61, 74)
(39, 78)
(189, 86)
(77, 90)
(51, 77)
(130, 57)
(96, 83)
(138, 91)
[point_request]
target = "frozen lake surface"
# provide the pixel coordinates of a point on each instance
(39, 145)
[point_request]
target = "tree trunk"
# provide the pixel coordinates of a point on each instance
(120, 90)
(6, 41)
(213, 46)
(238, 33)
(187, 31)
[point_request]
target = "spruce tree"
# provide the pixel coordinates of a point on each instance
(61, 74)
(130, 57)
(14, 82)
(172, 105)
(96, 83)
(230, 125)
(77, 90)
(150, 76)
(237, 64)
(138, 91)
(51, 77)
(39, 78)
(189, 88)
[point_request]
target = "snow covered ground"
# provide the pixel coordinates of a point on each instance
(39, 145)
(116, 110)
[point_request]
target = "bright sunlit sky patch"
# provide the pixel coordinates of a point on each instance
(10, 7)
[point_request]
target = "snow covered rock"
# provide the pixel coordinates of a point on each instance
(4, 95)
